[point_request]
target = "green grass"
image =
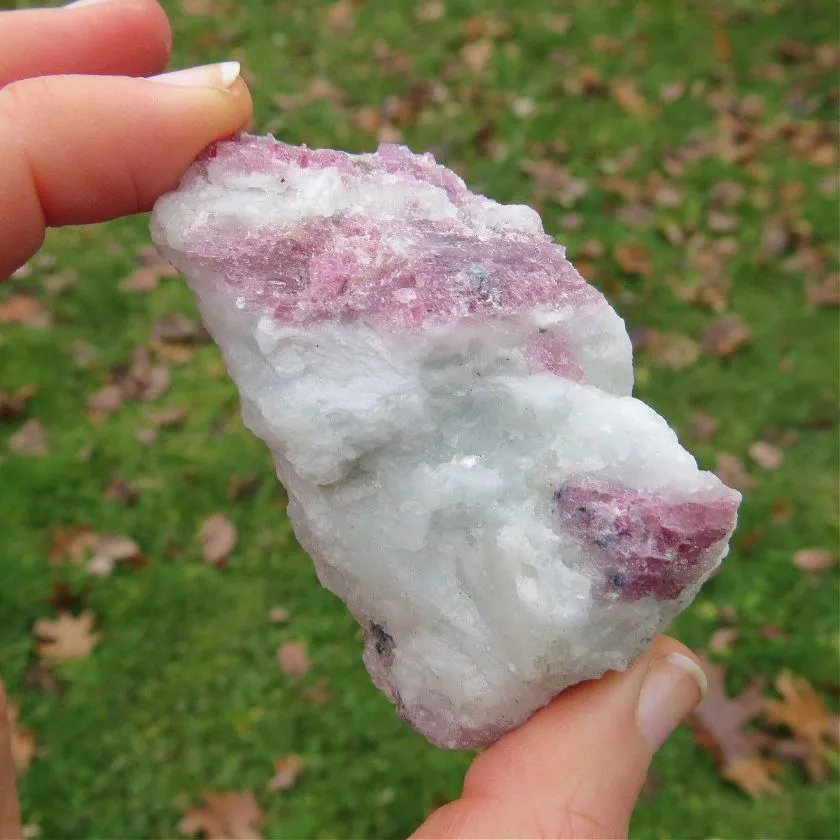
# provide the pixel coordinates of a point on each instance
(183, 694)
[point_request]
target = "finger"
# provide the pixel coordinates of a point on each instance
(117, 38)
(80, 149)
(9, 814)
(576, 768)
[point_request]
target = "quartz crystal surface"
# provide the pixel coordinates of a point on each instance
(448, 406)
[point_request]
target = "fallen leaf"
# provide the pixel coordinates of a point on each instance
(217, 535)
(319, 693)
(824, 293)
(720, 43)
(103, 403)
(722, 639)
(725, 335)
(629, 99)
(23, 309)
(767, 456)
(22, 741)
(633, 258)
(65, 638)
(169, 417)
(719, 723)
(341, 16)
(141, 281)
(721, 222)
(240, 487)
(60, 281)
(731, 471)
(64, 598)
(801, 711)
(69, 542)
(142, 380)
(476, 54)
(278, 615)
(178, 328)
(229, 815)
(287, 768)
(703, 426)
(41, 679)
(83, 354)
(14, 404)
(293, 659)
(814, 560)
(776, 237)
(672, 350)
(430, 10)
(29, 439)
(121, 492)
(110, 549)
(727, 193)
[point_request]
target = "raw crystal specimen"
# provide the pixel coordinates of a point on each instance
(448, 405)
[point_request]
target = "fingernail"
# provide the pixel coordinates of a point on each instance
(674, 685)
(84, 3)
(221, 75)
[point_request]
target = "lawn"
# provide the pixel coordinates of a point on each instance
(686, 154)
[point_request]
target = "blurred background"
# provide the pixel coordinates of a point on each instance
(164, 640)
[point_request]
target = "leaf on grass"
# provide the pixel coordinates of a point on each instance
(179, 329)
(110, 549)
(103, 403)
(319, 693)
(672, 350)
(476, 54)
(14, 404)
(801, 711)
(628, 98)
(703, 426)
(217, 535)
(64, 599)
(719, 723)
(722, 639)
(142, 380)
(633, 258)
(814, 560)
(730, 470)
(725, 335)
(29, 439)
(24, 309)
(240, 487)
(121, 492)
(278, 615)
(141, 281)
(229, 815)
(65, 638)
(169, 417)
(430, 10)
(293, 659)
(22, 740)
(767, 456)
(824, 293)
(287, 768)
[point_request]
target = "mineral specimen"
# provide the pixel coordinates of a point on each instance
(448, 406)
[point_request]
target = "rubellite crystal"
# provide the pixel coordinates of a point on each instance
(448, 406)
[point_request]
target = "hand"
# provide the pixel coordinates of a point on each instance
(97, 143)
(576, 768)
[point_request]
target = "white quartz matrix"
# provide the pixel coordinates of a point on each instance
(448, 405)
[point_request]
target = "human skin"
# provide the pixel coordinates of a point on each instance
(85, 137)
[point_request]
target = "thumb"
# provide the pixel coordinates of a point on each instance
(80, 149)
(576, 768)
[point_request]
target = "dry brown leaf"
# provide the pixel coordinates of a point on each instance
(22, 740)
(824, 293)
(721, 44)
(141, 281)
(429, 11)
(65, 638)
(14, 404)
(23, 309)
(341, 16)
(278, 615)
(29, 439)
(719, 723)
(217, 535)
(293, 659)
(319, 693)
(240, 487)
(169, 417)
(110, 549)
(229, 815)
(179, 329)
(633, 258)
(629, 99)
(801, 711)
(722, 639)
(142, 380)
(476, 54)
(287, 768)
(731, 471)
(703, 426)
(69, 543)
(814, 560)
(767, 456)
(103, 403)
(725, 335)
(753, 775)
(121, 492)
(672, 350)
